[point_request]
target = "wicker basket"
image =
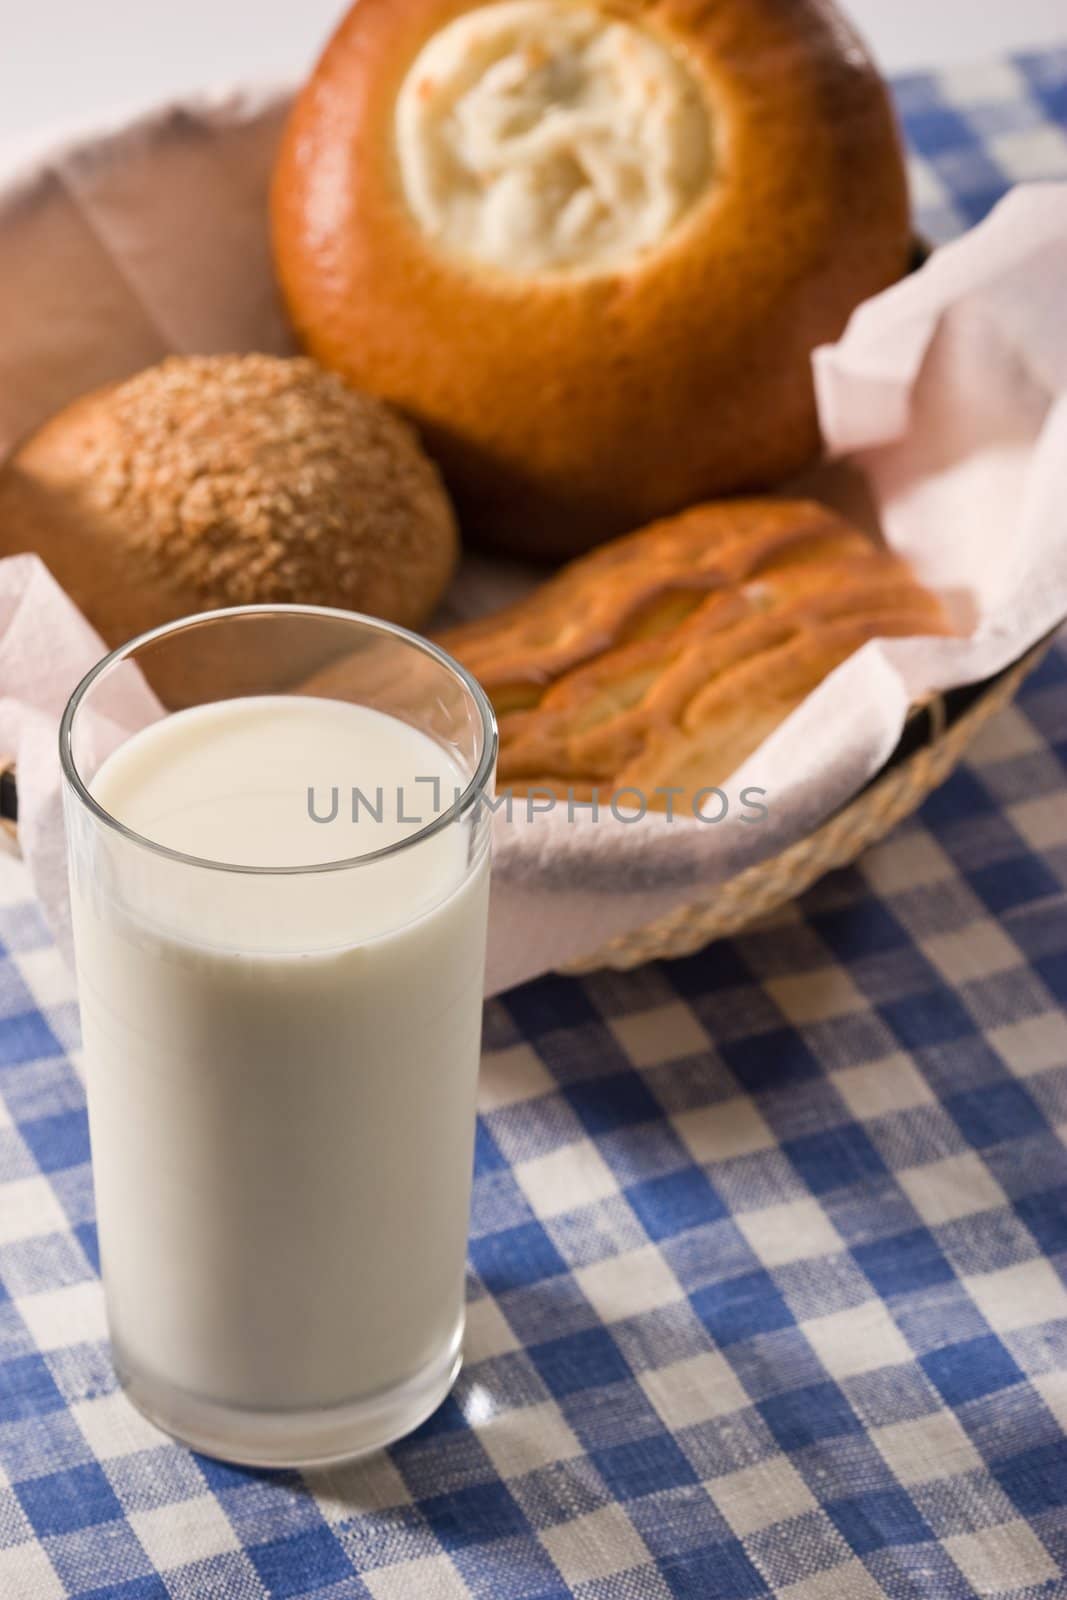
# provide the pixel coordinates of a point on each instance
(932, 745)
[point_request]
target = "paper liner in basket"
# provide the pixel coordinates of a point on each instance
(948, 392)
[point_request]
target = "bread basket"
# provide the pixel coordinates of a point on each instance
(150, 189)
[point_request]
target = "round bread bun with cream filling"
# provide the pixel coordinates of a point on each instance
(590, 247)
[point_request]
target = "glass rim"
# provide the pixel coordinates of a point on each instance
(454, 813)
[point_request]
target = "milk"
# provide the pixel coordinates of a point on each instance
(281, 1067)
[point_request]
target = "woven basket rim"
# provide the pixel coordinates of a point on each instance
(914, 770)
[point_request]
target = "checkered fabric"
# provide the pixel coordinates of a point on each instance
(974, 132)
(768, 1245)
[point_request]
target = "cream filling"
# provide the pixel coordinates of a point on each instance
(537, 136)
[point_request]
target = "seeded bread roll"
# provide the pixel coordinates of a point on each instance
(663, 660)
(212, 481)
(589, 246)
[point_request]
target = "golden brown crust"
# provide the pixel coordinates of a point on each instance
(226, 480)
(565, 410)
(666, 658)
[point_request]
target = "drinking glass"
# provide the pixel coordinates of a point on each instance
(281, 1058)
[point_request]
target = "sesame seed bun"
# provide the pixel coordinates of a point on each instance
(211, 481)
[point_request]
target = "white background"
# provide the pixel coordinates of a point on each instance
(66, 65)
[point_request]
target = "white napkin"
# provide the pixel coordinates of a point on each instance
(947, 392)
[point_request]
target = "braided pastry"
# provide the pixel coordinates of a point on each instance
(664, 659)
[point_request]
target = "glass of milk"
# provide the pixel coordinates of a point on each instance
(279, 863)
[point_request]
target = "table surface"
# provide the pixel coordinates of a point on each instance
(768, 1250)
(70, 66)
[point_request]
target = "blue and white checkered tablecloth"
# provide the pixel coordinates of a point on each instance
(769, 1245)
